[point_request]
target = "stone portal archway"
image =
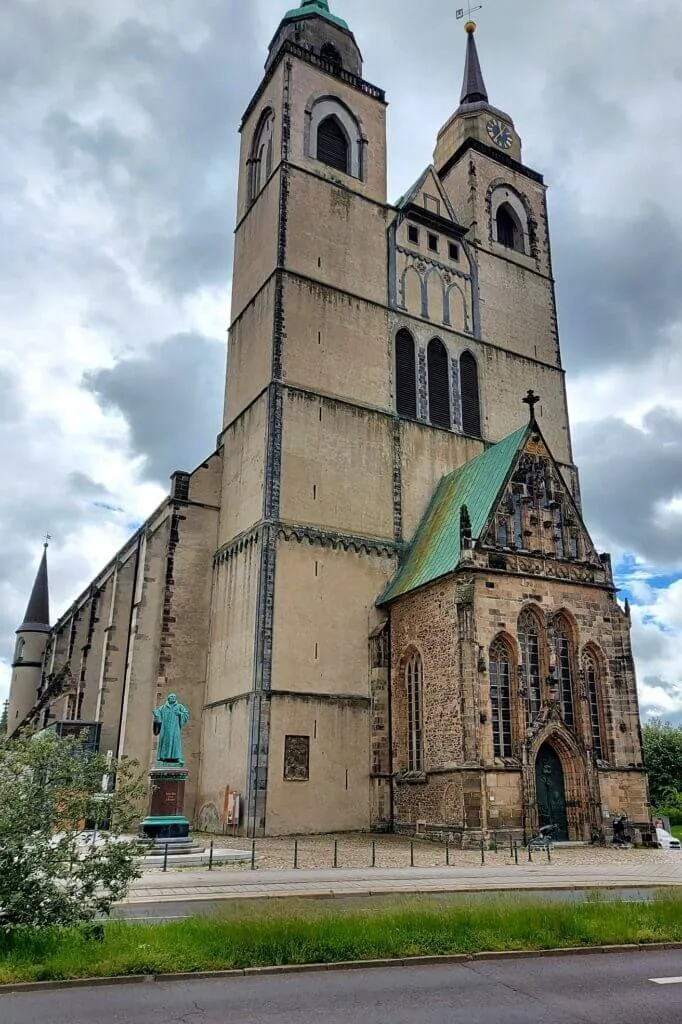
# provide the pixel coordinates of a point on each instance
(580, 808)
(551, 791)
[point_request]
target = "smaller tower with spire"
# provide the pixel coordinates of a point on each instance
(32, 637)
(475, 118)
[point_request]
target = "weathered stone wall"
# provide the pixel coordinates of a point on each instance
(224, 750)
(327, 333)
(337, 468)
(244, 465)
(335, 796)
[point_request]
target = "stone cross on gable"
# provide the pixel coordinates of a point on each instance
(531, 400)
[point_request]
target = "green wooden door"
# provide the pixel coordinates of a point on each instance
(549, 777)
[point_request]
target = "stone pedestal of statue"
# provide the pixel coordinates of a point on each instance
(165, 821)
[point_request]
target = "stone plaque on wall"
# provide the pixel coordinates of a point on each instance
(297, 758)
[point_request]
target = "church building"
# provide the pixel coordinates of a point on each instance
(377, 595)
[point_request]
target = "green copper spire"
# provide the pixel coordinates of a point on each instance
(309, 8)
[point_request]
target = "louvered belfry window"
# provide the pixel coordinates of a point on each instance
(439, 384)
(405, 375)
(471, 406)
(332, 144)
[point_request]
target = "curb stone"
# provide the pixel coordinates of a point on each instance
(340, 965)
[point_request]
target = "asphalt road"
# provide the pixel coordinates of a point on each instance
(585, 989)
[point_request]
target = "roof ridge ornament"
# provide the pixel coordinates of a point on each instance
(531, 400)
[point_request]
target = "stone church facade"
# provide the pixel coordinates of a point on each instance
(377, 595)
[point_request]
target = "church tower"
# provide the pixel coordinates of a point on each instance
(375, 350)
(307, 533)
(32, 638)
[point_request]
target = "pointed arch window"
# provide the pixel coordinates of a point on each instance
(332, 144)
(593, 686)
(471, 406)
(19, 650)
(509, 231)
(529, 642)
(405, 375)
(500, 698)
(439, 383)
(260, 161)
(565, 661)
(413, 686)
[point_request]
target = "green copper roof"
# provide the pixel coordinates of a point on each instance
(435, 548)
(310, 7)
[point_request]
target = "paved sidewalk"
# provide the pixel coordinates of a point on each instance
(202, 885)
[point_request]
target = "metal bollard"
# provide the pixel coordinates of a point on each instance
(336, 853)
(165, 857)
(447, 852)
(482, 852)
(374, 853)
(549, 855)
(511, 845)
(530, 853)
(516, 853)
(295, 853)
(411, 853)
(210, 857)
(253, 854)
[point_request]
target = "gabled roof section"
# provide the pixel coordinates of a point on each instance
(435, 550)
(428, 185)
(37, 617)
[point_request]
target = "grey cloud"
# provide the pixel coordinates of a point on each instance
(626, 473)
(171, 399)
(618, 287)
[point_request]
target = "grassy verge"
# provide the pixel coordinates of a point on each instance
(676, 830)
(200, 944)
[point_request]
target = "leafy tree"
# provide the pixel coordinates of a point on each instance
(49, 789)
(662, 744)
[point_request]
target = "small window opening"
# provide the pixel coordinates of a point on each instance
(509, 232)
(333, 148)
(413, 234)
(453, 250)
(433, 243)
(331, 55)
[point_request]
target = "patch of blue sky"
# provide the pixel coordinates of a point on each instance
(635, 579)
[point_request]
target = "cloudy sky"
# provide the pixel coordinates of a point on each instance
(118, 133)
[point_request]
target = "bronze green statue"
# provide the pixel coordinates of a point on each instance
(169, 721)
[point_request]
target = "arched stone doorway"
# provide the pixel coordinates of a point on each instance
(551, 791)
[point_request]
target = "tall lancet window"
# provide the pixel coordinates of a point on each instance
(471, 406)
(413, 686)
(500, 698)
(529, 642)
(439, 383)
(564, 666)
(592, 685)
(260, 161)
(405, 375)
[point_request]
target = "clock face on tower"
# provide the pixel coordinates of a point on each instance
(500, 133)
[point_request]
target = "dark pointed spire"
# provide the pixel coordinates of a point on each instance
(37, 617)
(473, 89)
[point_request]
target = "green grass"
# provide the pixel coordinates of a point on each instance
(676, 830)
(200, 944)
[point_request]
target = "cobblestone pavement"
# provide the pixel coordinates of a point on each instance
(355, 851)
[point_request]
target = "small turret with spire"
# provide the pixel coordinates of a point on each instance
(475, 118)
(32, 638)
